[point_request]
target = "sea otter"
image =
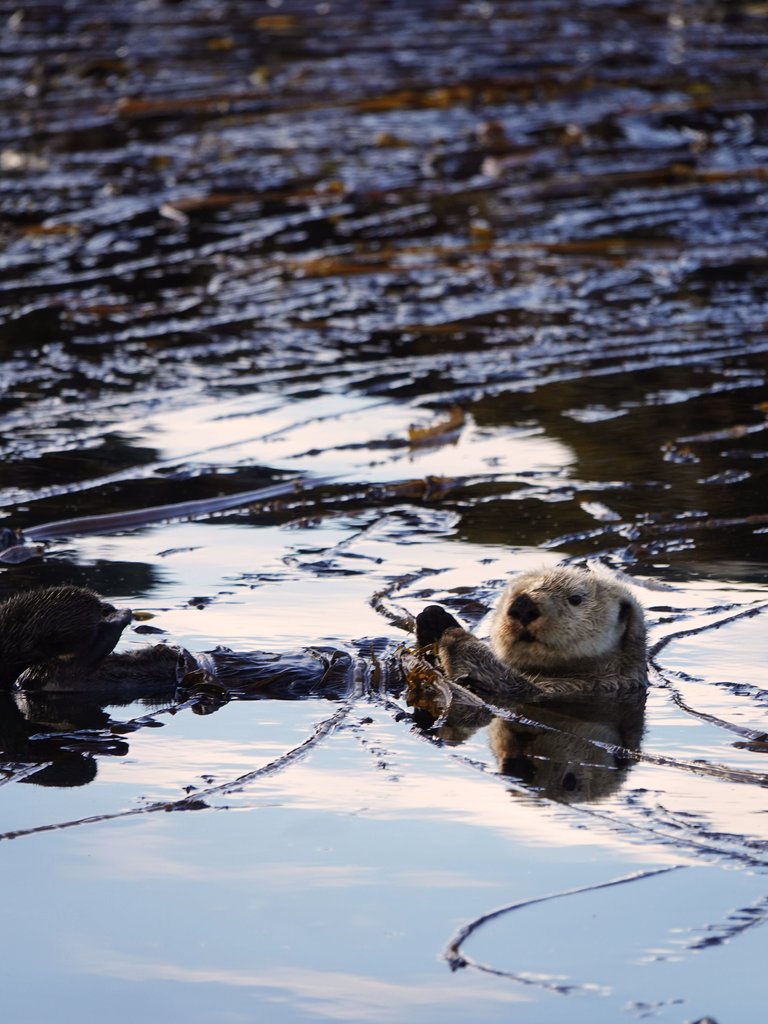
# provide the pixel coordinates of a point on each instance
(59, 640)
(561, 634)
(64, 624)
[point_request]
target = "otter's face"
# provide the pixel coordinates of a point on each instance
(561, 618)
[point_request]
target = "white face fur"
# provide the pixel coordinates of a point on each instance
(561, 618)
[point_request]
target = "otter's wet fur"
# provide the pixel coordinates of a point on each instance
(57, 624)
(560, 634)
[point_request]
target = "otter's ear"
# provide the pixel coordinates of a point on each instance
(627, 617)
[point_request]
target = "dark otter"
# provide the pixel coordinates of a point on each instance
(60, 639)
(62, 624)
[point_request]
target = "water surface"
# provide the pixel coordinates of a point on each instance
(489, 280)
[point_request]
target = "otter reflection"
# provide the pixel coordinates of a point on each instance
(567, 752)
(54, 742)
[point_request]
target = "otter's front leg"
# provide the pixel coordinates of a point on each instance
(468, 660)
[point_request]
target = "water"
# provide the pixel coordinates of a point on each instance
(489, 279)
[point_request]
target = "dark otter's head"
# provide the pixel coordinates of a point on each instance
(57, 624)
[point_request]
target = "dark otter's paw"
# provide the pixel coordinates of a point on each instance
(432, 623)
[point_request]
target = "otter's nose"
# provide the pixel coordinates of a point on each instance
(524, 609)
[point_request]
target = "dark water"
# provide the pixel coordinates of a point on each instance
(490, 280)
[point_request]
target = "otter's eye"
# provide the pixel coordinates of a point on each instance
(575, 599)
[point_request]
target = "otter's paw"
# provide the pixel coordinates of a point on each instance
(432, 623)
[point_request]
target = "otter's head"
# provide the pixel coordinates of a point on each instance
(57, 624)
(565, 618)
